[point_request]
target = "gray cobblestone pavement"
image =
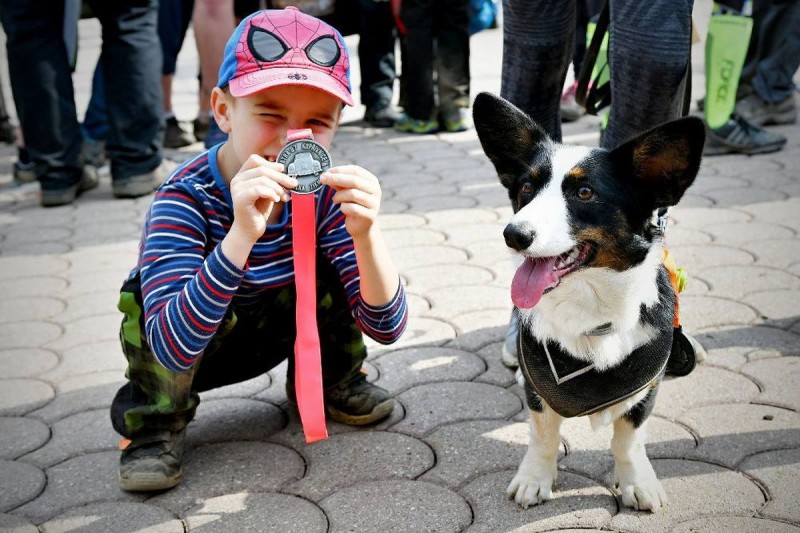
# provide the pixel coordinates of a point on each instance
(725, 441)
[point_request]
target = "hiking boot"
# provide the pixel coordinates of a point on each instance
(152, 462)
(570, 109)
(142, 184)
(174, 134)
(24, 168)
(739, 136)
(406, 124)
(509, 352)
(53, 197)
(454, 120)
(381, 117)
(355, 402)
(761, 113)
(200, 128)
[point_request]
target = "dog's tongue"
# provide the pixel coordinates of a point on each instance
(531, 280)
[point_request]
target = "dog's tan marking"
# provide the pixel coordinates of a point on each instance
(576, 173)
(606, 253)
(657, 158)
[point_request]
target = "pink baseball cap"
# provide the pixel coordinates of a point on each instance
(276, 47)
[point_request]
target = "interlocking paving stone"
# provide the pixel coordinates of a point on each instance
(779, 378)
(700, 217)
(450, 301)
(729, 433)
(496, 372)
(464, 234)
(395, 506)
(10, 523)
(219, 469)
(19, 435)
(21, 396)
(239, 390)
(19, 483)
(423, 330)
(398, 238)
(425, 279)
(407, 192)
(116, 258)
(781, 306)
(88, 358)
(76, 482)
(36, 234)
(726, 524)
(453, 201)
(777, 253)
(577, 503)
(111, 231)
(88, 305)
(33, 286)
(779, 472)
(435, 404)
(743, 232)
(31, 308)
(466, 450)
(87, 330)
(470, 339)
(28, 334)
(353, 458)
(704, 386)
(402, 221)
(245, 512)
(417, 256)
(706, 311)
(745, 166)
(402, 369)
(36, 248)
(232, 419)
(108, 517)
(742, 196)
(739, 280)
(446, 218)
(78, 434)
(712, 183)
(685, 236)
(763, 338)
(694, 489)
(696, 200)
(417, 305)
(26, 362)
(702, 256)
(81, 393)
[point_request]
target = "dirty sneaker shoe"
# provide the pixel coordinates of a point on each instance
(174, 134)
(152, 462)
(358, 402)
(143, 184)
(200, 127)
(24, 168)
(509, 352)
(381, 117)
(761, 113)
(455, 120)
(739, 136)
(570, 109)
(54, 197)
(406, 124)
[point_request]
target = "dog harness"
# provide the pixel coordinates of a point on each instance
(573, 387)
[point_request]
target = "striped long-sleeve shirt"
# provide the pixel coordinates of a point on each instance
(188, 283)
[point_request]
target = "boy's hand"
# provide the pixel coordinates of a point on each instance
(358, 192)
(254, 191)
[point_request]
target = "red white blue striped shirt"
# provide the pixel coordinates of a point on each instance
(188, 283)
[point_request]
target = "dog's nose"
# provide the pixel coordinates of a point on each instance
(518, 238)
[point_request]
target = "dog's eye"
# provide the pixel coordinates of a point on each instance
(585, 193)
(526, 188)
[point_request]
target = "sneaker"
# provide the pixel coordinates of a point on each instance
(455, 120)
(761, 113)
(355, 402)
(142, 184)
(174, 134)
(24, 168)
(406, 124)
(200, 128)
(214, 135)
(739, 136)
(509, 353)
(152, 462)
(93, 152)
(381, 117)
(7, 133)
(570, 109)
(63, 196)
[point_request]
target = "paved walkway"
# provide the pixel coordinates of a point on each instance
(724, 441)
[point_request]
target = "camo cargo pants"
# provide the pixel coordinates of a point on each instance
(249, 342)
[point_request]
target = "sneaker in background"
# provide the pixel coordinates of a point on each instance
(142, 184)
(406, 124)
(152, 462)
(455, 120)
(381, 116)
(174, 134)
(761, 113)
(739, 136)
(50, 197)
(24, 168)
(509, 352)
(570, 109)
(200, 127)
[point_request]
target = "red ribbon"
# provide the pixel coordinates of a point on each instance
(307, 357)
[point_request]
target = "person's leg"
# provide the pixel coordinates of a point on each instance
(538, 37)
(131, 59)
(418, 71)
(647, 68)
(173, 21)
(452, 48)
(377, 62)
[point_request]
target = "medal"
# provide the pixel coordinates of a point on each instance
(305, 160)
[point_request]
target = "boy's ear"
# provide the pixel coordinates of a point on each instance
(220, 106)
(664, 161)
(508, 136)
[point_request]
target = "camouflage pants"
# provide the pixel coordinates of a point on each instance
(249, 342)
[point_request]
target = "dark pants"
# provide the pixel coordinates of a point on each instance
(376, 54)
(437, 37)
(649, 50)
(774, 52)
(249, 342)
(43, 93)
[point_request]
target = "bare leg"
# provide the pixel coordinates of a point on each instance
(633, 473)
(213, 24)
(537, 473)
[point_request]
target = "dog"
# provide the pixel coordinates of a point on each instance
(595, 302)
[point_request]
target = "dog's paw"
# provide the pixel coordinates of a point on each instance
(643, 495)
(529, 490)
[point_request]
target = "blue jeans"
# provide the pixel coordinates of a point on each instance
(44, 96)
(376, 54)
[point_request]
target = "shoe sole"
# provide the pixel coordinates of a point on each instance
(55, 198)
(134, 189)
(508, 359)
(722, 150)
(148, 482)
(379, 412)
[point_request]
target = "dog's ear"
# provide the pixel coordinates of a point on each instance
(508, 136)
(664, 161)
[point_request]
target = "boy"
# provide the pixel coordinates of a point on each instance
(212, 299)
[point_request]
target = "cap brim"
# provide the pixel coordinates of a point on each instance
(276, 77)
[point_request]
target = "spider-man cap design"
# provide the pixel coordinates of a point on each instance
(276, 47)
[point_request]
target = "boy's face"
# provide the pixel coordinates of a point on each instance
(257, 124)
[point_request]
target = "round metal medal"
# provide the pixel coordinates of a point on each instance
(305, 160)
